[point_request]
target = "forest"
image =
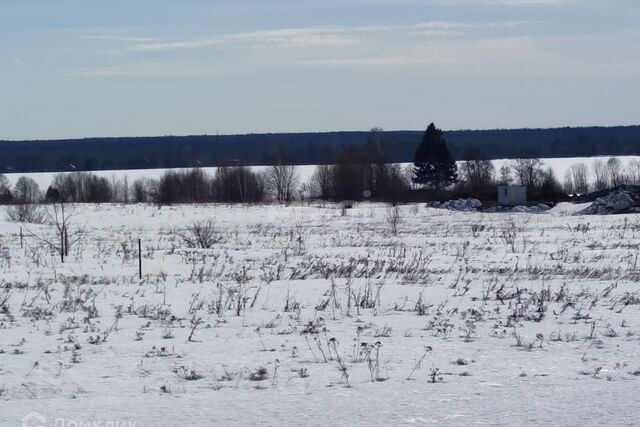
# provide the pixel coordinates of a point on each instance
(93, 154)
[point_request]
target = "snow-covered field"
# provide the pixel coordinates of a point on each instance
(300, 316)
(559, 166)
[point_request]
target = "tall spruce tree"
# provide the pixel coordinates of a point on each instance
(434, 165)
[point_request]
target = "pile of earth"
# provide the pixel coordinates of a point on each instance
(620, 200)
(467, 205)
(634, 190)
(541, 208)
(474, 205)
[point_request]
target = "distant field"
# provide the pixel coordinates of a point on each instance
(559, 166)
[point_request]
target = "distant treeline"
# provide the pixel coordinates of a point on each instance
(359, 175)
(303, 148)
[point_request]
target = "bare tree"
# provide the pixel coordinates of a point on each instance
(84, 187)
(143, 190)
(126, 194)
(184, 186)
(26, 195)
(579, 177)
(60, 215)
(281, 180)
(348, 181)
(321, 182)
(633, 172)
(27, 212)
(396, 184)
(477, 171)
(528, 171)
(614, 166)
(120, 190)
(5, 189)
(549, 186)
(601, 175)
(505, 175)
(237, 184)
(27, 191)
(567, 185)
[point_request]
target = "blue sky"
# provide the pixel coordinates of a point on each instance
(78, 68)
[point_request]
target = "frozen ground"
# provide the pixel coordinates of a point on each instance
(301, 316)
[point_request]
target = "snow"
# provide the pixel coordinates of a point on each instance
(466, 284)
(615, 202)
(44, 179)
(559, 166)
(568, 208)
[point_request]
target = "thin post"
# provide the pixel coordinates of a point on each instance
(21, 246)
(140, 259)
(62, 247)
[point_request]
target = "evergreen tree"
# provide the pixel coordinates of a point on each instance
(434, 165)
(53, 195)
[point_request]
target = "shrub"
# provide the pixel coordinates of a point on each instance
(201, 234)
(29, 213)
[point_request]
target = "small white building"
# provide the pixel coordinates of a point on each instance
(512, 195)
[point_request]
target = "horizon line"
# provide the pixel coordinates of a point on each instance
(315, 133)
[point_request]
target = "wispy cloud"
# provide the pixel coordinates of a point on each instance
(128, 39)
(143, 70)
(383, 61)
(327, 65)
(321, 36)
(522, 56)
(290, 37)
(500, 48)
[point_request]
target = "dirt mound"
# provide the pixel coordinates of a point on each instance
(541, 208)
(617, 201)
(458, 205)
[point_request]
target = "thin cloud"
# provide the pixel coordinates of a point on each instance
(321, 36)
(382, 61)
(128, 39)
(294, 37)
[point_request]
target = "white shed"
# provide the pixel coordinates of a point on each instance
(512, 195)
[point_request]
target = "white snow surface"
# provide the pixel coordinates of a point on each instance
(531, 319)
(559, 166)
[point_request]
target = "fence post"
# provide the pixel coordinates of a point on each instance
(21, 246)
(62, 247)
(140, 259)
